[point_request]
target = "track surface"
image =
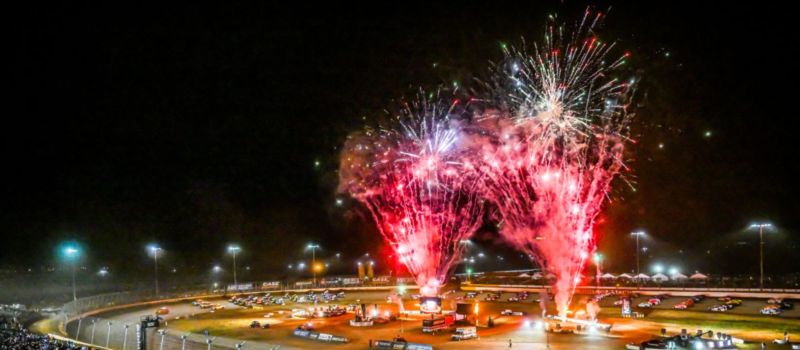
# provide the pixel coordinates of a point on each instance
(232, 325)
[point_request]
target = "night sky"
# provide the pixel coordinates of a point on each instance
(197, 127)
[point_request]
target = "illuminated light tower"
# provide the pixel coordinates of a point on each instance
(761, 227)
(72, 254)
(233, 249)
(657, 268)
(598, 259)
(318, 267)
(156, 251)
(467, 245)
(370, 270)
(313, 248)
(360, 271)
(637, 234)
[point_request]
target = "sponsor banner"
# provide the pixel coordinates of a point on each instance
(302, 284)
(240, 287)
(381, 279)
(430, 305)
(301, 333)
(330, 338)
(351, 281)
(271, 285)
(396, 345)
(405, 280)
(338, 339)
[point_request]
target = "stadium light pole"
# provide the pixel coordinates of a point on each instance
(233, 249)
(72, 253)
(637, 234)
(761, 226)
(155, 250)
(597, 258)
(313, 248)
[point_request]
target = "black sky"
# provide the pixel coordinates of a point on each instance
(196, 127)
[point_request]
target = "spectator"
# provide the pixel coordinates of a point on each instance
(15, 337)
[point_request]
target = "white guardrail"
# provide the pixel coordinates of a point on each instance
(90, 307)
(678, 291)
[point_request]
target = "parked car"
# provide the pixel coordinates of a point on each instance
(464, 333)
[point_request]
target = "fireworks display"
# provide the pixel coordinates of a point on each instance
(544, 151)
(411, 178)
(555, 144)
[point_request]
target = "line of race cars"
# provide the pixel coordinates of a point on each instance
(653, 301)
(249, 301)
(728, 303)
(775, 306)
(207, 305)
(683, 305)
(495, 296)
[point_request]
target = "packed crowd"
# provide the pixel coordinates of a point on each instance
(15, 337)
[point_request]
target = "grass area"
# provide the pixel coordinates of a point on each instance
(705, 320)
(222, 327)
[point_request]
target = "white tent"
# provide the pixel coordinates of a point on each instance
(550, 275)
(524, 275)
(698, 276)
(625, 275)
(607, 276)
(678, 276)
(642, 277)
(660, 277)
(537, 275)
